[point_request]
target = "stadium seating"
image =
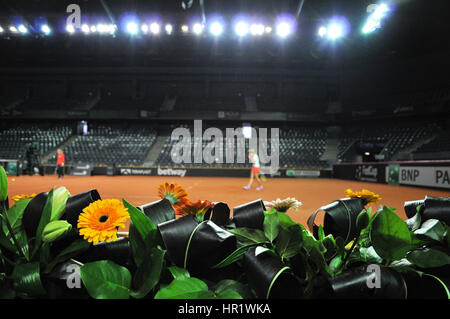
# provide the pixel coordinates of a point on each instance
(14, 139)
(298, 148)
(107, 144)
(390, 140)
(438, 148)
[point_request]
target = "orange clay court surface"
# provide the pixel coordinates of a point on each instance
(138, 190)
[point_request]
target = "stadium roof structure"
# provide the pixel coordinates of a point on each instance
(413, 28)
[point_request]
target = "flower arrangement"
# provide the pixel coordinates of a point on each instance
(368, 196)
(16, 198)
(204, 253)
(283, 205)
(101, 219)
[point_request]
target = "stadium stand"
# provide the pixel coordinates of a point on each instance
(389, 141)
(110, 144)
(438, 148)
(14, 139)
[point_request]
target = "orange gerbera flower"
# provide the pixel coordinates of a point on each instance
(368, 196)
(101, 219)
(173, 192)
(16, 198)
(197, 208)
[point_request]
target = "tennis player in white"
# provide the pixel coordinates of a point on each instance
(256, 168)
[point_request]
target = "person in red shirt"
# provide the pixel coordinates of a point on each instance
(60, 160)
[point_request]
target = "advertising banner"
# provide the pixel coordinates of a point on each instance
(437, 176)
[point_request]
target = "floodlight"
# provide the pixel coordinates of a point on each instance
(85, 28)
(197, 28)
(155, 28)
(335, 30)
(257, 29)
(70, 29)
(322, 31)
(132, 28)
(241, 28)
(46, 29)
(216, 28)
(22, 29)
(169, 28)
(284, 29)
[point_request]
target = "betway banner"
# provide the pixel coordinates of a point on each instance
(437, 176)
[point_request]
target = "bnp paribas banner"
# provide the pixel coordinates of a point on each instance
(432, 176)
(393, 171)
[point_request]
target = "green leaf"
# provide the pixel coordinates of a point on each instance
(320, 233)
(71, 251)
(60, 197)
(143, 224)
(428, 257)
(183, 288)
(289, 242)
(228, 294)
(285, 221)
(433, 229)
(105, 279)
(336, 263)
(45, 219)
(234, 256)
(271, 225)
(3, 185)
(414, 222)
(27, 279)
(148, 273)
(369, 255)
(249, 235)
(243, 291)
(14, 217)
(390, 236)
(178, 272)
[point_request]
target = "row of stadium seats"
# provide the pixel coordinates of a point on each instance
(14, 140)
(390, 140)
(110, 146)
(437, 148)
(298, 147)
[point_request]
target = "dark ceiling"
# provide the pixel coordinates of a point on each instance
(416, 28)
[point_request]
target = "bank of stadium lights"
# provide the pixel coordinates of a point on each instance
(46, 29)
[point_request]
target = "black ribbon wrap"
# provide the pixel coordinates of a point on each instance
(159, 211)
(117, 251)
(431, 208)
(32, 214)
(75, 205)
(264, 272)
(340, 218)
(64, 282)
(219, 214)
(249, 215)
(365, 283)
(196, 246)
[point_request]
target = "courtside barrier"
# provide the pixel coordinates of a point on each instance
(434, 174)
(198, 171)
